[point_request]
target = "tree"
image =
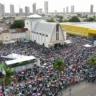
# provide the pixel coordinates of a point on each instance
(74, 19)
(91, 19)
(51, 20)
(8, 77)
(17, 24)
(92, 61)
(59, 65)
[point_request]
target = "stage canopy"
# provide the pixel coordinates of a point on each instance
(9, 42)
(18, 58)
(87, 45)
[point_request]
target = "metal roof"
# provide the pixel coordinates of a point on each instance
(90, 25)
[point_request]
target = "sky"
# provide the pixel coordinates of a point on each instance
(80, 5)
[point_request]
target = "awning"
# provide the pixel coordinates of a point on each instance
(67, 41)
(87, 45)
(9, 42)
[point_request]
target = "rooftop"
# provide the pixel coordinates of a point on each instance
(90, 25)
(34, 16)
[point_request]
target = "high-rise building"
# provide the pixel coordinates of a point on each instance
(12, 12)
(20, 11)
(91, 9)
(46, 7)
(27, 11)
(64, 10)
(39, 11)
(34, 8)
(67, 9)
(2, 10)
(72, 9)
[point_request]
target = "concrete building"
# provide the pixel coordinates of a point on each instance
(67, 9)
(27, 11)
(2, 10)
(20, 11)
(44, 33)
(12, 12)
(72, 9)
(91, 9)
(39, 11)
(6, 36)
(34, 8)
(46, 7)
(83, 29)
(64, 10)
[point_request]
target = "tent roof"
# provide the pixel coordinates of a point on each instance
(34, 16)
(18, 58)
(44, 27)
(87, 45)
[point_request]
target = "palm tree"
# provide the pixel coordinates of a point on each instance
(7, 74)
(8, 77)
(59, 65)
(92, 61)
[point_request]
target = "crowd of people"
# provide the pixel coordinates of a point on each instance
(44, 80)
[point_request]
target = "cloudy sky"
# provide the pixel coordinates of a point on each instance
(80, 5)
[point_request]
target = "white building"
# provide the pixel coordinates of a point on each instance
(67, 9)
(20, 11)
(27, 11)
(91, 9)
(39, 11)
(2, 10)
(44, 33)
(46, 7)
(6, 36)
(72, 9)
(12, 12)
(34, 8)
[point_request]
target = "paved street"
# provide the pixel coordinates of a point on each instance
(82, 89)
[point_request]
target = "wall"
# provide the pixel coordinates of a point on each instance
(6, 36)
(75, 30)
(18, 35)
(0, 37)
(53, 35)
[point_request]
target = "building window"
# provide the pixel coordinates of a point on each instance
(27, 23)
(57, 32)
(46, 35)
(57, 27)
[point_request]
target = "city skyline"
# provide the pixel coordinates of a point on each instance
(52, 5)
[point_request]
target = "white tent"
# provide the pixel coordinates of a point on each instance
(67, 41)
(8, 42)
(87, 45)
(18, 58)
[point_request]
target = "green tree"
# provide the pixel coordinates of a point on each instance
(91, 19)
(8, 77)
(92, 61)
(51, 20)
(17, 24)
(59, 65)
(74, 19)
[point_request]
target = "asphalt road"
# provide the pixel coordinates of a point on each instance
(82, 89)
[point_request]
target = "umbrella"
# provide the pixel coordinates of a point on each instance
(0, 91)
(22, 72)
(26, 41)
